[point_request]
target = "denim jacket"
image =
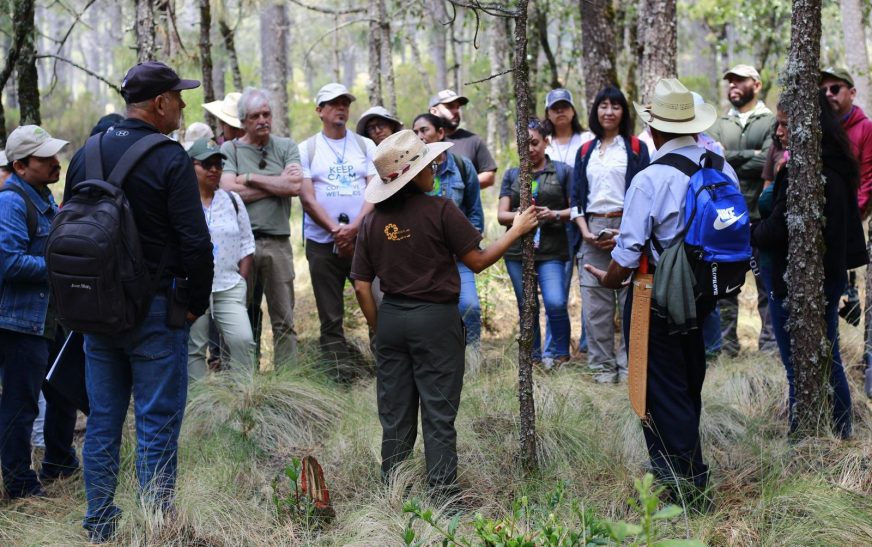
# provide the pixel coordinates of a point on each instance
(465, 193)
(24, 289)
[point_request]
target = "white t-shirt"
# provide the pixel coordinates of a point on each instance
(567, 153)
(338, 172)
(232, 239)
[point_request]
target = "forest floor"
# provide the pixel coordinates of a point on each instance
(241, 433)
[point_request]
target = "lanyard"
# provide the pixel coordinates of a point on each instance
(339, 159)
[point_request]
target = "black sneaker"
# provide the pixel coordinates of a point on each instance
(850, 312)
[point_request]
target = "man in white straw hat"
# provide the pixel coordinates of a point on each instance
(226, 111)
(410, 242)
(654, 208)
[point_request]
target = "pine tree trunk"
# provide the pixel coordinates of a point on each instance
(274, 62)
(598, 35)
(206, 59)
(438, 44)
(374, 87)
(657, 29)
(856, 52)
(805, 201)
(387, 61)
(228, 36)
(412, 40)
(146, 47)
(456, 81)
(497, 124)
(525, 341)
(631, 46)
(542, 31)
(25, 67)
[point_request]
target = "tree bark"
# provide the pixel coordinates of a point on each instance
(25, 67)
(12, 55)
(855, 51)
(438, 42)
(630, 40)
(206, 59)
(387, 61)
(455, 52)
(810, 351)
(656, 30)
(497, 121)
(525, 341)
(228, 36)
(374, 87)
(423, 74)
(274, 62)
(598, 43)
(542, 31)
(144, 29)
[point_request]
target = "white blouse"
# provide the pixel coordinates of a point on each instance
(232, 239)
(606, 177)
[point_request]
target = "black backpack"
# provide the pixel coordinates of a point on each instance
(99, 280)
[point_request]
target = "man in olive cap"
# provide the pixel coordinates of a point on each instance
(745, 133)
(150, 361)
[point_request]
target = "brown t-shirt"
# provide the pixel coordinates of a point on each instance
(412, 249)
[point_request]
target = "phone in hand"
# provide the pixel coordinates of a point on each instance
(605, 234)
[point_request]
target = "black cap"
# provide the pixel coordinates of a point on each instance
(150, 79)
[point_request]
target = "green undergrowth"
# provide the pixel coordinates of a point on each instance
(242, 432)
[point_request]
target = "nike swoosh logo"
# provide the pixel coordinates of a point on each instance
(720, 224)
(731, 289)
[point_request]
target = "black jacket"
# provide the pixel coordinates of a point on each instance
(165, 200)
(844, 243)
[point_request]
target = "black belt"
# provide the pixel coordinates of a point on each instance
(261, 235)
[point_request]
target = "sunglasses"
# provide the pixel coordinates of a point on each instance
(833, 88)
(262, 162)
(210, 164)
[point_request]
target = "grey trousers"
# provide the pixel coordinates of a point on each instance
(420, 360)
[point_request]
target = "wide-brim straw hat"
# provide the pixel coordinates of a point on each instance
(376, 112)
(226, 110)
(673, 110)
(398, 159)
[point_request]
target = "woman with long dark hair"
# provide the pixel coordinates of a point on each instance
(411, 241)
(603, 170)
(845, 249)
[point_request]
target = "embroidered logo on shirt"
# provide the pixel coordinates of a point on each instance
(393, 232)
(726, 218)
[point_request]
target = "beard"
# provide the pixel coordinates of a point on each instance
(450, 124)
(742, 99)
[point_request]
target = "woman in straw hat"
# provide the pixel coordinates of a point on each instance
(410, 242)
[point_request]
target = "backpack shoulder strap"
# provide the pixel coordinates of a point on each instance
(310, 149)
(682, 163)
(713, 160)
(233, 201)
(361, 143)
(94, 157)
(585, 148)
(29, 206)
(132, 156)
(635, 145)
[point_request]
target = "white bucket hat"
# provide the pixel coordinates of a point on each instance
(376, 112)
(672, 110)
(398, 159)
(226, 110)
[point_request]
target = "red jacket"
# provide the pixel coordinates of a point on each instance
(859, 130)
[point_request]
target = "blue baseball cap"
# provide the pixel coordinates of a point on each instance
(557, 95)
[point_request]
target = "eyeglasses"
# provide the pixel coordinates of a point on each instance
(434, 166)
(376, 125)
(262, 162)
(210, 164)
(833, 88)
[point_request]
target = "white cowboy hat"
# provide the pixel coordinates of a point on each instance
(398, 159)
(226, 110)
(672, 110)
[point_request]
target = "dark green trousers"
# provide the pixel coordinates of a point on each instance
(420, 358)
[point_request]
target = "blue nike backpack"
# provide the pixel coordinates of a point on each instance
(717, 226)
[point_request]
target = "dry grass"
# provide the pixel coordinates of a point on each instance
(240, 432)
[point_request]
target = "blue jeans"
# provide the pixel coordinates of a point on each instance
(582, 340)
(150, 362)
(469, 305)
(550, 275)
(838, 381)
(23, 361)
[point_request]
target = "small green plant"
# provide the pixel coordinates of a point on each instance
(554, 524)
(295, 505)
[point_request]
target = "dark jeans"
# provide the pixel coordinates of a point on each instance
(838, 380)
(420, 359)
(676, 372)
(329, 272)
(151, 363)
(59, 427)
